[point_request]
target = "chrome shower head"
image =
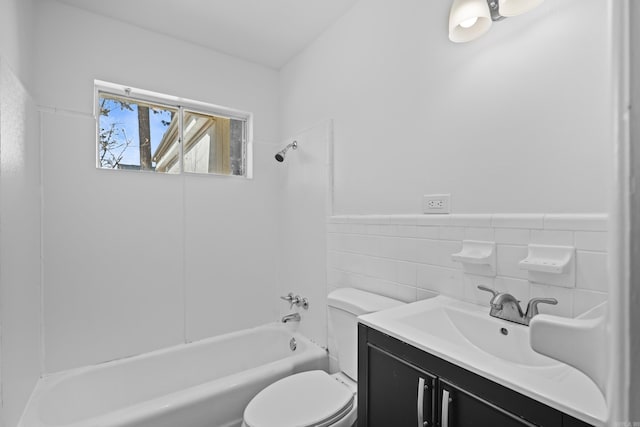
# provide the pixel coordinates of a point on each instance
(283, 153)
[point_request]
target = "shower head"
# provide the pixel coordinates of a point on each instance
(282, 153)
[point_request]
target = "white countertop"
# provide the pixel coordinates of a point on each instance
(555, 384)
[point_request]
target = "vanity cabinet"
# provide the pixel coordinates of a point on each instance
(400, 385)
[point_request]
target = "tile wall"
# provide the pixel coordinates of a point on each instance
(409, 257)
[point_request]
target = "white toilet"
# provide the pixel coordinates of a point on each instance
(315, 398)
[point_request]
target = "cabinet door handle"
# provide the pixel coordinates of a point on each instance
(445, 408)
(421, 388)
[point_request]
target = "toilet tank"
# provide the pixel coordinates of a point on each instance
(345, 305)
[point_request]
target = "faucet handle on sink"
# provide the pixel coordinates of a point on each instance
(532, 307)
(484, 288)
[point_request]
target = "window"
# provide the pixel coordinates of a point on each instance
(140, 130)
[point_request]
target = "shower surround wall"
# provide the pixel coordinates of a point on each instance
(409, 257)
(138, 261)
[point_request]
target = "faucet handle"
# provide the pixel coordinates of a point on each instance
(484, 288)
(532, 306)
(290, 298)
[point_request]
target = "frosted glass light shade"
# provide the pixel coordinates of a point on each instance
(516, 7)
(462, 27)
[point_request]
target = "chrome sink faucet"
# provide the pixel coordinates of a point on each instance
(505, 306)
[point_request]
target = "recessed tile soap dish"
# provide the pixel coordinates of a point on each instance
(552, 265)
(477, 257)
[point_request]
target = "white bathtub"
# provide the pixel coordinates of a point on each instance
(203, 384)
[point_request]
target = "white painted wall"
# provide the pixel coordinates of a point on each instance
(137, 261)
(303, 210)
(517, 121)
(20, 281)
(17, 37)
(633, 295)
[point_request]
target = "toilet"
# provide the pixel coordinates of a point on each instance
(315, 398)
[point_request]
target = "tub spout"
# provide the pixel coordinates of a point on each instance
(290, 317)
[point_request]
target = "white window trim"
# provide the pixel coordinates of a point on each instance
(181, 104)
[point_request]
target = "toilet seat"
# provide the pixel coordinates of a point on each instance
(308, 399)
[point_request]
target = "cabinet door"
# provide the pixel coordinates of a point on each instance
(459, 408)
(398, 393)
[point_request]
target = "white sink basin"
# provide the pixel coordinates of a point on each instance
(501, 339)
(465, 334)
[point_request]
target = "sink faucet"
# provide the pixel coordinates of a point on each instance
(290, 317)
(505, 306)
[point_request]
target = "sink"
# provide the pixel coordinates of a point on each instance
(465, 335)
(501, 339)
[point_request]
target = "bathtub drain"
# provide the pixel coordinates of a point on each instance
(293, 345)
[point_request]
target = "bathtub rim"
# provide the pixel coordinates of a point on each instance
(177, 398)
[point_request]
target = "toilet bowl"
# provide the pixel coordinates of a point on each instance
(316, 398)
(309, 399)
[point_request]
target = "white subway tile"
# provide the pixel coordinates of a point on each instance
(407, 249)
(369, 219)
(358, 228)
(474, 295)
(451, 233)
(438, 279)
(333, 228)
(508, 259)
(434, 220)
(576, 222)
(512, 236)
(406, 230)
(564, 296)
(584, 301)
(437, 252)
(374, 229)
(424, 294)
(483, 234)
(426, 232)
(404, 219)
(338, 219)
(529, 221)
(591, 240)
(407, 273)
(388, 289)
(332, 259)
(471, 220)
(381, 268)
(555, 238)
(336, 242)
(591, 271)
(387, 230)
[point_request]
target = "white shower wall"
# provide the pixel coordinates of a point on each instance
(306, 200)
(138, 261)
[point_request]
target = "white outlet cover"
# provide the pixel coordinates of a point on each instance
(436, 203)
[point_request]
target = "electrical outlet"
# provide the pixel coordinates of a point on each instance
(436, 203)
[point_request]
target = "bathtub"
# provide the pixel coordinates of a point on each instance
(203, 384)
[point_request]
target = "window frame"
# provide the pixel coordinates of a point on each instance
(180, 104)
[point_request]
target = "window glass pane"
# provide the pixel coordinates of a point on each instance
(137, 135)
(213, 144)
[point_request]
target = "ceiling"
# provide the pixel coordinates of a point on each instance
(268, 32)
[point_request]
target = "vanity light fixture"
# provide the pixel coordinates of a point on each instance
(469, 19)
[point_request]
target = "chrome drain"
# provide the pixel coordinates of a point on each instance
(293, 344)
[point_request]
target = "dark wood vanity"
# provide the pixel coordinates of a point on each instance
(400, 385)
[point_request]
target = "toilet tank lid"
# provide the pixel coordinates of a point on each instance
(359, 302)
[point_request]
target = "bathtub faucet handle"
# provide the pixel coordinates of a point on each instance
(291, 299)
